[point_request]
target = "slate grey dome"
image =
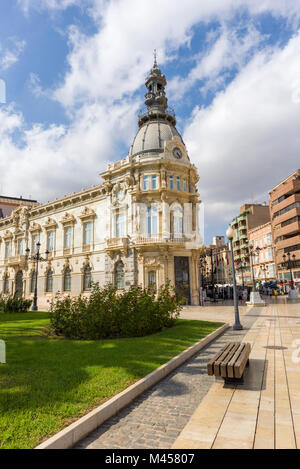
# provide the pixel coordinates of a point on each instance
(151, 137)
(157, 122)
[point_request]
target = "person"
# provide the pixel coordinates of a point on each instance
(245, 294)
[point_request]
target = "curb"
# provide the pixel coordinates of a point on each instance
(75, 432)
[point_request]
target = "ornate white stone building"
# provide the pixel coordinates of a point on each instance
(139, 226)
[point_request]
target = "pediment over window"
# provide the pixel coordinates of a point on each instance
(50, 223)
(87, 214)
(35, 227)
(67, 218)
(7, 234)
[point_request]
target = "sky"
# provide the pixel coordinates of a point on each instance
(74, 73)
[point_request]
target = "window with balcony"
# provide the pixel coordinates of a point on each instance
(177, 220)
(171, 182)
(68, 237)
(50, 241)
(20, 246)
(152, 220)
(154, 181)
(178, 184)
(146, 183)
(87, 233)
(120, 226)
(35, 240)
(7, 249)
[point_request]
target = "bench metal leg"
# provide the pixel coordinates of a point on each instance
(234, 380)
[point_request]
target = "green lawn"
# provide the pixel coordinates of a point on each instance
(48, 383)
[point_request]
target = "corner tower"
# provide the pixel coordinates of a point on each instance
(152, 202)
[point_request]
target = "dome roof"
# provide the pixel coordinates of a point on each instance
(151, 136)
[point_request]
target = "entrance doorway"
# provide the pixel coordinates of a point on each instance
(19, 284)
(182, 277)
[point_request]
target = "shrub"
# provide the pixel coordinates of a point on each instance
(106, 313)
(14, 304)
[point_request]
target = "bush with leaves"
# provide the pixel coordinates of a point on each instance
(14, 304)
(107, 313)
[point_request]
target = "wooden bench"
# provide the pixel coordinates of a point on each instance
(230, 362)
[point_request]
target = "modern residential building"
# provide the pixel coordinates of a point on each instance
(285, 220)
(9, 204)
(251, 216)
(139, 226)
(263, 262)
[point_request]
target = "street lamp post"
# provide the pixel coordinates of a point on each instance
(289, 264)
(237, 325)
(255, 298)
(37, 258)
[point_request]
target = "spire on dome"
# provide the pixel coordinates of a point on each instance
(155, 98)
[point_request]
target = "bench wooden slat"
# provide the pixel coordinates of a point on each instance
(224, 364)
(210, 365)
(241, 362)
(218, 362)
(232, 362)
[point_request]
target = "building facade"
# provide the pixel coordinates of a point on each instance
(263, 262)
(251, 216)
(137, 227)
(285, 220)
(9, 204)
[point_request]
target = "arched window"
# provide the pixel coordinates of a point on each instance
(152, 220)
(6, 284)
(177, 220)
(32, 282)
(49, 281)
(87, 278)
(67, 279)
(119, 275)
(152, 279)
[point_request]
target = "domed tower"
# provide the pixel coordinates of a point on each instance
(156, 123)
(153, 236)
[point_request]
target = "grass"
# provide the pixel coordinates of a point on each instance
(47, 383)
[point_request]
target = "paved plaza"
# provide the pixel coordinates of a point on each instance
(189, 409)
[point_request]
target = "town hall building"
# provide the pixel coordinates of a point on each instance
(139, 226)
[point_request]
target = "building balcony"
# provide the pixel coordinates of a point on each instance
(16, 260)
(159, 239)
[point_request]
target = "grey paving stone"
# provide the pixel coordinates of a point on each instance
(155, 418)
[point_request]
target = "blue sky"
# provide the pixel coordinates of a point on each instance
(74, 73)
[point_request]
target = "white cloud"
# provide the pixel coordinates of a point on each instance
(107, 68)
(9, 56)
(248, 139)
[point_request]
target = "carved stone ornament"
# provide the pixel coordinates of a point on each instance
(67, 218)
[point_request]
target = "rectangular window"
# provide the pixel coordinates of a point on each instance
(171, 181)
(154, 185)
(20, 246)
(120, 226)
(7, 249)
(50, 240)
(35, 240)
(178, 183)
(184, 185)
(68, 237)
(87, 233)
(146, 183)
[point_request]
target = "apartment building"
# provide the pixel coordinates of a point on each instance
(9, 204)
(285, 221)
(250, 217)
(263, 260)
